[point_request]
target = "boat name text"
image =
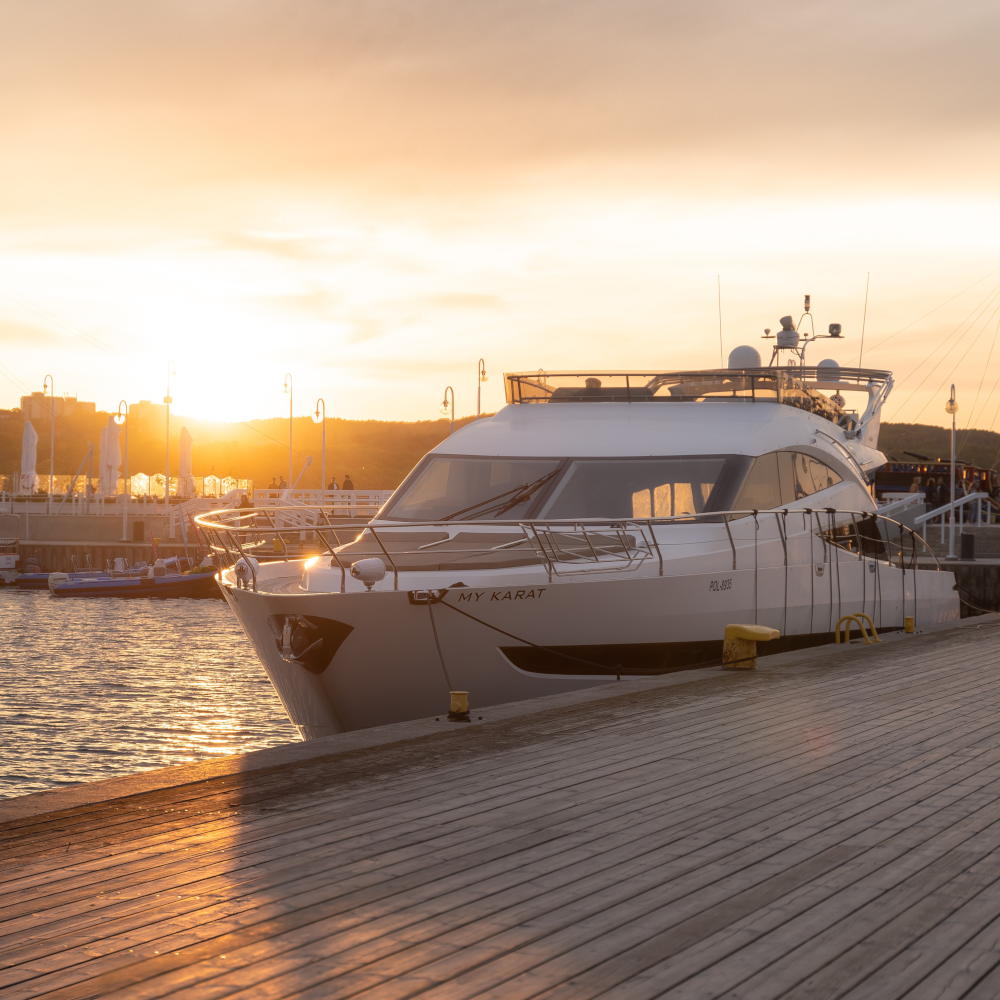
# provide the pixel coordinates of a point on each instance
(720, 584)
(474, 596)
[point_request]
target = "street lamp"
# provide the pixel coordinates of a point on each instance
(952, 407)
(121, 418)
(287, 387)
(167, 400)
(49, 383)
(483, 377)
(319, 417)
(444, 406)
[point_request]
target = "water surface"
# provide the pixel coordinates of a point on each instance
(96, 687)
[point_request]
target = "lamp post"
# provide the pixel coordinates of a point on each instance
(167, 400)
(121, 419)
(287, 387)
(952, 407)
(482, 377)
(444, 406)
(49, 383)
(319, 417)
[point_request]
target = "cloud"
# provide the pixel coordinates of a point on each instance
(463, 300)
(316, 303)
(17, 334)
(297, 248)
(175, 98)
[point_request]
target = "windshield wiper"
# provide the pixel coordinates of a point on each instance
(505, 501)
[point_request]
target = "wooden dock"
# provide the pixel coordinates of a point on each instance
(827, 826)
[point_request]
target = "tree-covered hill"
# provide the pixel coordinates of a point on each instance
(376, 453)
(979, 448)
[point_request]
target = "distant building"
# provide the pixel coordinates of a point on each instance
(38, 406)
(145, 412)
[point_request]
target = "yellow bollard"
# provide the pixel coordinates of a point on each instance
(864, 623)
(871, 635)
(739, 645)
(847, 621)
(909, 625)
(459, 709)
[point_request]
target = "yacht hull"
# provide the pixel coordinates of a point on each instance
(344, 661)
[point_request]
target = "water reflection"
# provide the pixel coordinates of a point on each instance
(94, 688)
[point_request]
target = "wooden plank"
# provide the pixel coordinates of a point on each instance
(702, 818)
(19, 887)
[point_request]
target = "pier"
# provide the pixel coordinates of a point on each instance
(825, 826)
(91, 533)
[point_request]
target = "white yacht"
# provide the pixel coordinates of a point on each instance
(602, 524)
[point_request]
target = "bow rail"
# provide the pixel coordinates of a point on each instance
(561, 548)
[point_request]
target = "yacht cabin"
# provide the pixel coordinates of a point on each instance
(576, 446)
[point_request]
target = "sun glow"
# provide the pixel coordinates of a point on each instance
(377, 317)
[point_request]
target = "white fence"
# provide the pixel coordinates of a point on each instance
(92, 506)
(338, 503)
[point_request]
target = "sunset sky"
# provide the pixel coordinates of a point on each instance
(373, 195)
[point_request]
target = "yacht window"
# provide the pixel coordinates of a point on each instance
(822, 475)
(653, 487)
(761, 489)
(464, 488)
(781, 478)
(802, 475)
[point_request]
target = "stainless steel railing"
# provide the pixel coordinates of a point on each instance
(564, 548)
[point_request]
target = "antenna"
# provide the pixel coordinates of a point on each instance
(864, 319)
(791, 338)
(806, 305)
(718, 288)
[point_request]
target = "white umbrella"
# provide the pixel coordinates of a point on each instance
(185, 476)
(29, 455)
(110, 458)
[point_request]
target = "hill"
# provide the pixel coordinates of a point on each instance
(904, 442)
(377, 453)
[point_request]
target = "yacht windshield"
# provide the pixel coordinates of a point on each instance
(462, 488)
(643, 487)
(470, 488)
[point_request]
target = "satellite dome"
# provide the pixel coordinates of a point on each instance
(830, 369)
(744, 356)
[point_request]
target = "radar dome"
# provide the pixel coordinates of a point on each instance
(829, 369)
(744, 357)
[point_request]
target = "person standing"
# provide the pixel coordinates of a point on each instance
(348, 482)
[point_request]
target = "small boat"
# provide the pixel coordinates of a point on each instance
(165, 578)
(40, 580)
(34, 578)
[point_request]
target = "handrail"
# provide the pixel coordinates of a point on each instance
(846, 453)
(561, 547)
(959, 504)
(956, 504)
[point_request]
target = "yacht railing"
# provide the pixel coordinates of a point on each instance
(805, 387)
(244, 538)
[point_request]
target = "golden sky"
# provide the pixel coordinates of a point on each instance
(373, 195)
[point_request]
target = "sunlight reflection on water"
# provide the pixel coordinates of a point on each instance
(93, 688)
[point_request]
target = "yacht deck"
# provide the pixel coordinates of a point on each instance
(827, 826)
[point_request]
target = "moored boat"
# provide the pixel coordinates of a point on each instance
(158, 580)
(602, 524)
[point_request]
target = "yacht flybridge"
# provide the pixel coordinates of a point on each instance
(602, 524)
